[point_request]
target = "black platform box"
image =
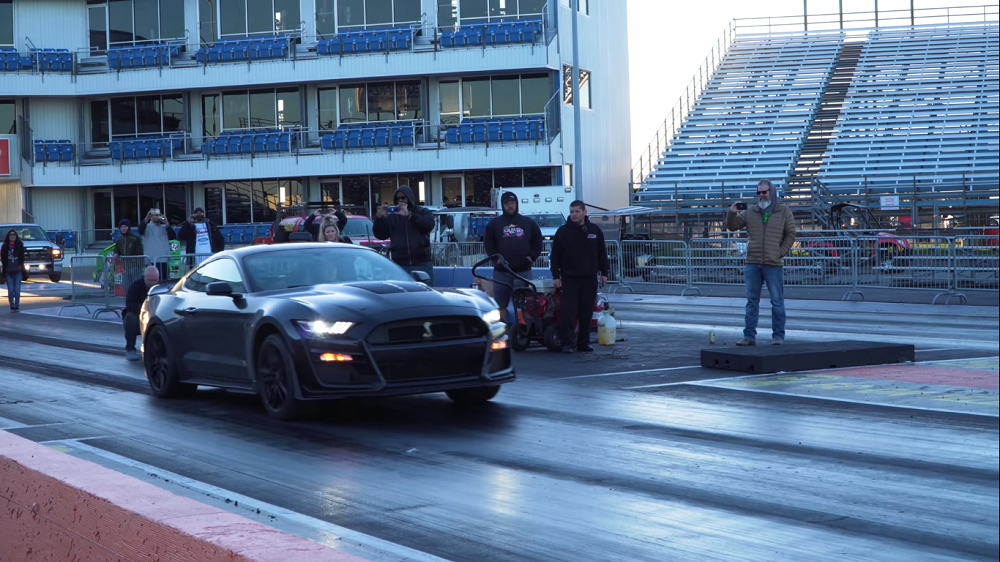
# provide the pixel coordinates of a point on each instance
(767, 358)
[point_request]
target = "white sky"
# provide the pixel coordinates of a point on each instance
(670, 39)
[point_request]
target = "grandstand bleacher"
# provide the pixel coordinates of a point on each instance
(497, 129)
(492, 33)
(53, 151)
(245, 48)
(398, 38)
(256, 141)
(137, 56)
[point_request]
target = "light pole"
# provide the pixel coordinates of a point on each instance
(577, 149)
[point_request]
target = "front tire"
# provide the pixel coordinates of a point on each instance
(55, 277)
(473, 396)
(276, 379)
(161, 368)
(521, 337)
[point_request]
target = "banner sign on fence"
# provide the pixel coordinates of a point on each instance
(889, 202)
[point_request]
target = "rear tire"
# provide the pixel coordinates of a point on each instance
(276, 380)
(473, 396)
(55, 277)
(551, 338)
(520, 338)
(161, 367)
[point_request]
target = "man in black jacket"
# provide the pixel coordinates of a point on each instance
(201, 236)
(519, 240)
(578, 256)
(409, 229)
(134, 297)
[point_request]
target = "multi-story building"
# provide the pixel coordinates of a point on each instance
(112, 107)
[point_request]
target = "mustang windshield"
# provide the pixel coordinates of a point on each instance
(270, 271)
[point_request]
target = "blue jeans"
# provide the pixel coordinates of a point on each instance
(755, 275)
(14, 289)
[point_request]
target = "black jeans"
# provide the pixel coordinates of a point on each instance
(131, 322)
(578, 295)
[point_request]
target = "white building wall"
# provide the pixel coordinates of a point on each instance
(54, 119)
(59, 208)
(51, 24)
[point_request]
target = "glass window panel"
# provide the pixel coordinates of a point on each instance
(530, 7)
(260, 16)
(473, 9)
(325, 17)
(356, 196)
(585, 89)
(8, 118)
(353, 104)
(98, 18)
(381, 101)
(264, 201)
(538, 177)
(447, 13)
(383, 188)
(7, 23)
(238, 202)
(120, 16)
(122, 116)
(289, 107)
(567, 84)
(99, 133)
(329, 191)
(414, 180)
(206, 21)
(150, 197)
(503, 8)
(174, 208)
(506, 96)
(406, 11)
(171, 19)
(262, 108)
(408, 103)
(477, 188)
(233, 17)
(508, 178)
(351, 13)
(286, 15)
(476, 97)
(450, 113)
(147, 20)
(451, 191)
(534, 93)
(378, 12)
(126, 203)
(327, 108)
(147, 112)
(235, 110)
(211, 116)
(213, 205)
(293, 191)
(172, 109)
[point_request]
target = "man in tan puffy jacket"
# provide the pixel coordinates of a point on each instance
(771, 232)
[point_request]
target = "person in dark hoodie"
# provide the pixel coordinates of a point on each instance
(409, 229)
(578, 255)
(201, 236)
(519, 240)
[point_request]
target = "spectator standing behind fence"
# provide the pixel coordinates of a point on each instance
(201, 236)
(519, 240)
(156, 236)
(129, 246)
(409, 229)
(312, 223)
(578, 255)
(770, 230)
(12, 254)
(135, 295)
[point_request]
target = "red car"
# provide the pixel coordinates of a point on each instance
(358, 229)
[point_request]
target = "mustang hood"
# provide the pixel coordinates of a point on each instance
(379, 301)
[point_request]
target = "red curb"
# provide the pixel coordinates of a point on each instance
(950, 376)
(54, 506)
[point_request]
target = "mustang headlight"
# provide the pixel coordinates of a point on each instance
(321, 328)
(492, 317)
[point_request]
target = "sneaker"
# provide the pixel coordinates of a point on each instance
(778, 341)
(584, 348)
(132, 355)
(745, 342)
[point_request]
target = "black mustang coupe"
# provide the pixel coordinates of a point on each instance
(301, 322)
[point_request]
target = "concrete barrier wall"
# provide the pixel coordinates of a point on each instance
(54, 506)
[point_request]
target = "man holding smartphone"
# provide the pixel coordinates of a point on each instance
(770, 230)
(408, 226)
(201, 236)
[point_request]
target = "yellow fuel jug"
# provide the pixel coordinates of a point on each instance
(607, 329)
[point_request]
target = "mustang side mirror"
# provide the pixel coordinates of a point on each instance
(222, 289)
(421, 276)
(160, 289)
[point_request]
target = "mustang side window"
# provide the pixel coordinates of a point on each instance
(219, 270)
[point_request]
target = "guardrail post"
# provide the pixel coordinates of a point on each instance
(855, 253)
(952, 291)
(688, 273)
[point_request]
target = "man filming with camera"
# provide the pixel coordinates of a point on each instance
(408, 225)
(156, 236)
(201, 236)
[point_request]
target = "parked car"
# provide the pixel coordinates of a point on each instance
(312, 321)
(41, 256)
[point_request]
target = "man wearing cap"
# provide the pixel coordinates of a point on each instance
(129, 245)
(201, 236)
(519, 240)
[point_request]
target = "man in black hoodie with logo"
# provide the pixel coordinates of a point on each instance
(409, 229)
(578, 256)
(519, 240)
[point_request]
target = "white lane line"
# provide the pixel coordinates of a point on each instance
(6, 423)
(940, 349)
(405, 553)
(960, 360)
(629, 372)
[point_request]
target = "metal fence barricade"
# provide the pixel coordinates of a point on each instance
(178, 265)
(445, 254)
(87, 288)
(655, 261)
(976, 263)
(718, 261)
(907, 262)
(821, 261)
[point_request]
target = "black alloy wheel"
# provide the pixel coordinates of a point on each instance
(520, 336)
(161, 369)
(276, 379)
(473, 396)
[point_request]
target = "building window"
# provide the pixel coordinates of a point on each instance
(206, 22)
(7, 23)
(8, 117)
(143, 115)
(211, 116)
(584, 87)
(141, 21)
(582, 6)
(327, 105)
(100, 125)
(265, 108)
(360, 195)
(364, 14)
(326, 17)
(258, 17)
(482, 11)
(249, 201)
(132, 202)
(499, 96)
(380, 101)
